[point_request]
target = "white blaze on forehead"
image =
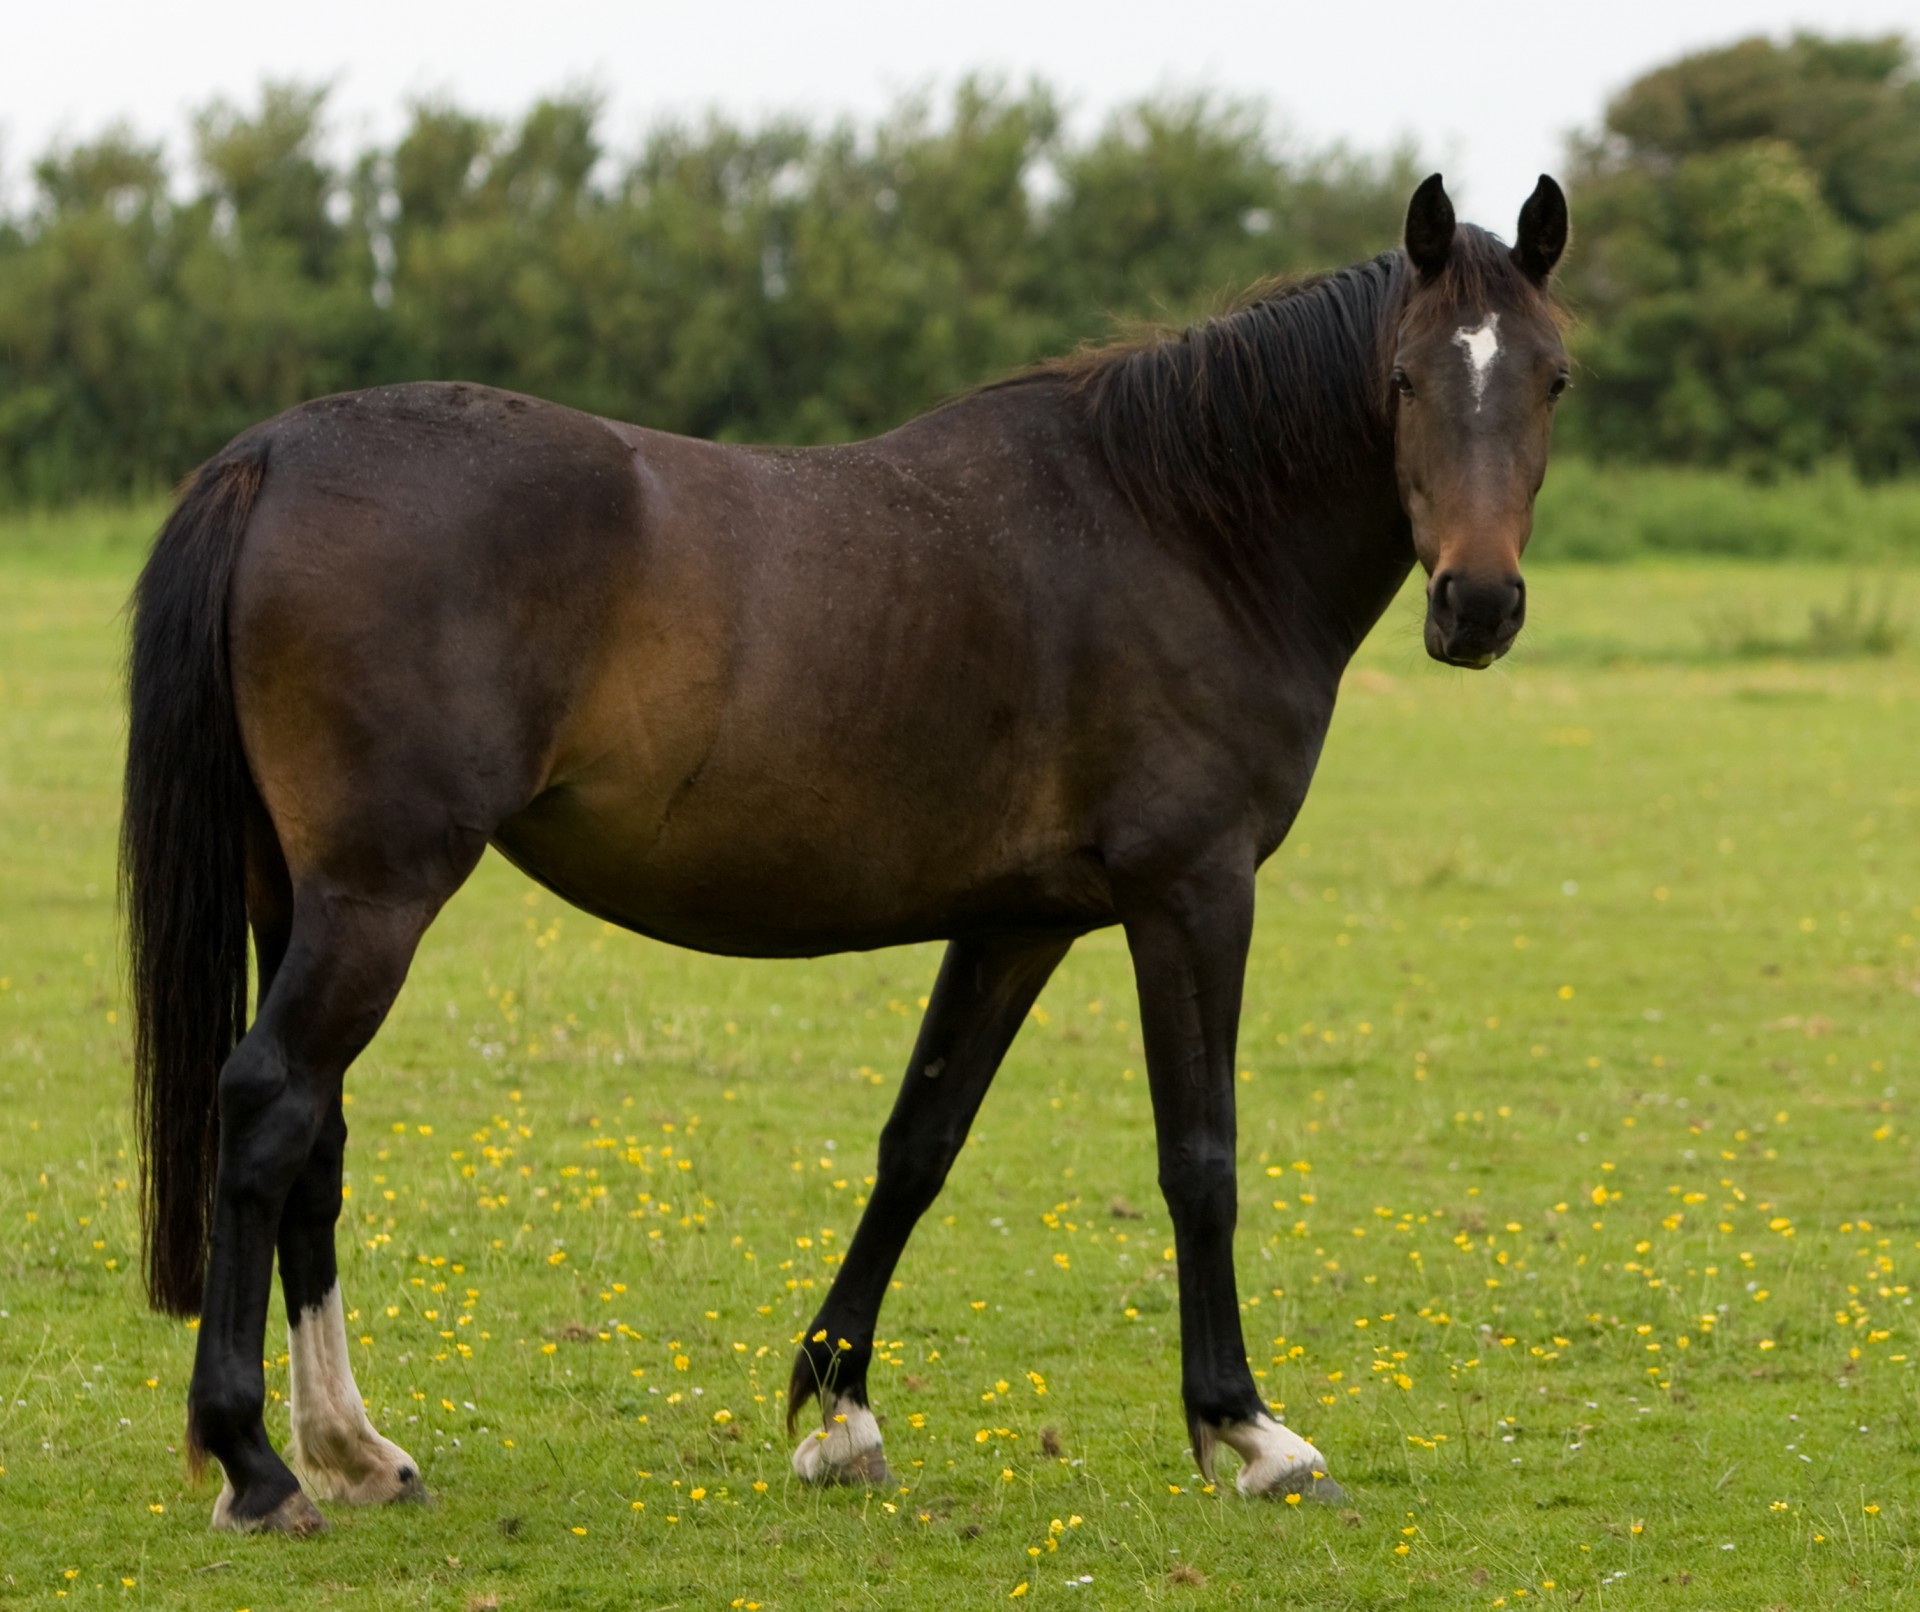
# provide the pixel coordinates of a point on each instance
(1481, 344)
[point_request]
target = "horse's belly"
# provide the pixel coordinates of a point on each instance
(761, 869)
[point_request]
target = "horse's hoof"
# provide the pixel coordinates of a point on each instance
(845, 1449)
(374, 1472)
(400, 1485)
(295, 1515)
(1309, 1483)
(412, 1490)
(1274, 1460)
(1322, 1490)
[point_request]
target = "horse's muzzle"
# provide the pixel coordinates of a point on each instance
(1473, 621)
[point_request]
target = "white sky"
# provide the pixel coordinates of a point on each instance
(1487, 90)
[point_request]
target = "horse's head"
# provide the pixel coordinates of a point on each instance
(1477, 366)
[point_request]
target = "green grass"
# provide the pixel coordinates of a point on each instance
(1607, 512)
(1577, 1163)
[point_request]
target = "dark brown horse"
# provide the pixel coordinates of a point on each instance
(1058, 655)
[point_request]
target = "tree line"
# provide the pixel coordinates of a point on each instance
(1746, 276)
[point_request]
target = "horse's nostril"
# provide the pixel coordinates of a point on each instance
(1442, 588)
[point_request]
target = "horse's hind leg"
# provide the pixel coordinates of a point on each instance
(346, 953)
(982, 996)
(334, 1447)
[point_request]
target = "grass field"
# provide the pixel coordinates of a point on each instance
(1577, 1165)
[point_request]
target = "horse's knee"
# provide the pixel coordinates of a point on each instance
(268, 1122)
(912, 1169)
(332, 1134)
(252, 1080)
(1198, 1184)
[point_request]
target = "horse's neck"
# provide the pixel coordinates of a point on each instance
(1334, 563)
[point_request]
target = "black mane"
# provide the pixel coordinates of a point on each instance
(1289, 392)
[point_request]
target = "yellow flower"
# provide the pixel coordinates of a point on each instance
(1017, 1591)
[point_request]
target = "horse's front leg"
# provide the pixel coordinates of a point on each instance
(1189, 938)
(979, 1001)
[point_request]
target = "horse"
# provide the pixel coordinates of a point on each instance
(1057, 655)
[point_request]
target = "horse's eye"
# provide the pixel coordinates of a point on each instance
(1559, 385)
(1401, 383)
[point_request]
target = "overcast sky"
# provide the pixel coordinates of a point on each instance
(1487, 90)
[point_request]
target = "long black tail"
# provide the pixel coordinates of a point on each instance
(183, 864)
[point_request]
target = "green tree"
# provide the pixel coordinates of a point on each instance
(775, 282)
(1177, 204)
(1746, 269)
(265, 175)
(81, 354)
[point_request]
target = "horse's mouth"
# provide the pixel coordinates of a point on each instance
(1472, 655)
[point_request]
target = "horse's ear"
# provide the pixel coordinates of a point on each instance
(1543, 231)
(1430, 227)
